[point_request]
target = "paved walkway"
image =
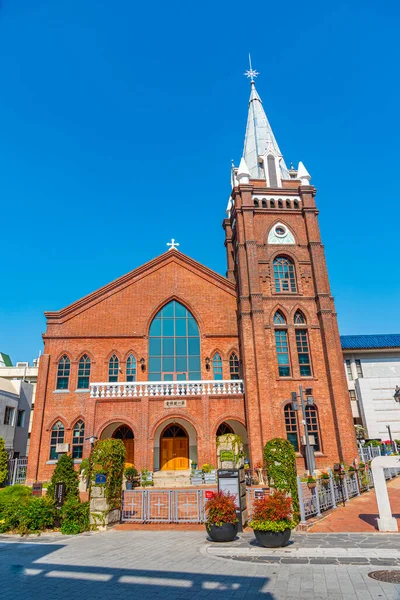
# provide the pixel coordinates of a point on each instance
(170, 565)
(360, 513)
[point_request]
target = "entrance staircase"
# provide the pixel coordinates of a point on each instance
(171, 479)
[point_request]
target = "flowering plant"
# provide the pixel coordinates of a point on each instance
(258, 465)
(220, 509)
(272, 513)
(324, 475)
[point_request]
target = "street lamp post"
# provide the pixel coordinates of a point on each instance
(310, 458)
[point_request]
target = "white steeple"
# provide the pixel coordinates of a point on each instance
(260, 140)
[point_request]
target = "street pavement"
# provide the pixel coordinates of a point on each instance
(175, 564)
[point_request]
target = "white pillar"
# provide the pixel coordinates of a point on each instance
(386, 521)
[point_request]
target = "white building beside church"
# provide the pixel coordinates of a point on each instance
(372, 364)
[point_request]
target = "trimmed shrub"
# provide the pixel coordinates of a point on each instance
(280, 463)
(36, 516)
(12, 501)
(64, 473)
(75, 517)
(3, 463)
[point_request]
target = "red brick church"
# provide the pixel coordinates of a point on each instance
(172, 354)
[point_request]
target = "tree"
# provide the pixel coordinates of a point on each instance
(3, 463)
(65, 473)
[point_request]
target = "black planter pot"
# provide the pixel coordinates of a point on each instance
(226, 533)
(272, 539)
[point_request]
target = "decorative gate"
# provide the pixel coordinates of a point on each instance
(164, 506)
(17, 470)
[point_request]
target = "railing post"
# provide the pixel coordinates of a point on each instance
(15, 461)
(357, 483)
(332, 487)
(346, 492)
(301, 502)
(316, 495)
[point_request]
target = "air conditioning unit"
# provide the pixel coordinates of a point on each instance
(22, 364)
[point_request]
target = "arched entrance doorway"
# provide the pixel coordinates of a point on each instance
(174, 448)
(125, 433)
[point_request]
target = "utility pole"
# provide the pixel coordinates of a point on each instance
(310, 458)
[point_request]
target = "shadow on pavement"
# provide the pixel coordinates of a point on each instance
(371, 518)
(25, 571)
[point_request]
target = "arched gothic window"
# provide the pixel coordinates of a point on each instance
(63, 372)
(291, 424)
(217, 366)
(223, 429)
(57, 437)
(234, 366)
(284, 275)
(264, 203)
(272, 203)
(83, 372)
(299, 318)
(113, 368)
(287, 203)
(131, 368)
(279, 318)
(78, 437)
(313, 425)
(174, 345)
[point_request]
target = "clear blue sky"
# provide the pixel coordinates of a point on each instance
(118, 122)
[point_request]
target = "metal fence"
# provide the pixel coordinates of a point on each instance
(368, 452)
(17, 470)
(164, 506)
(329, 493)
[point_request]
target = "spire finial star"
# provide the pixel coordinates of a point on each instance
(251, 73)
(172, 244)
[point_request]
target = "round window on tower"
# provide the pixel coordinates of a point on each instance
(280, 231)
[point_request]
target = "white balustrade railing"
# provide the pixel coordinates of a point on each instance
(138, 389)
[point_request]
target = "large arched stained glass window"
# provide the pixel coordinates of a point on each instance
(174, 345)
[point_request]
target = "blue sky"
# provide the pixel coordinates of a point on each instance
(118, 122)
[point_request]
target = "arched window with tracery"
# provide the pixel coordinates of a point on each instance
(234, 368)
(113, 368)
(217, 366)
(313, 425)
(131, 368)
(63, 372)
(56, 437)
(84, 372)
(291, 425)
(174, 345)
(279, 318)
(223, 429)
(299, 318)
(78, 437)
(284, 275)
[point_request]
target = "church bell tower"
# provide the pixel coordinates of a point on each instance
(287, 322)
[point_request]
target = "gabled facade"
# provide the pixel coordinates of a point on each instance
(172, 354)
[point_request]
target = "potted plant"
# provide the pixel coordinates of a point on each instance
(272, 520)
(325, 479)
(311, 482)
(206, 468)
(221, 522)
(131, 475)
(351, 471)
(361, 467)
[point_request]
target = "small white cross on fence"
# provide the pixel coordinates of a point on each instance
(172, 244)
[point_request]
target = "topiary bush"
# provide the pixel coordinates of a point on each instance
(280, 463)
(108, 457)
(75, 517)
(3, 463)
(64, 473)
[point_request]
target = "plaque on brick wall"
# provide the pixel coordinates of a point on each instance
(174, 403)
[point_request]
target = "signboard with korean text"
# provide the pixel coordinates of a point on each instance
(226, 455)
